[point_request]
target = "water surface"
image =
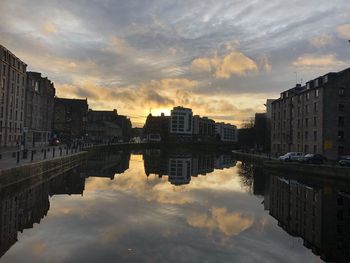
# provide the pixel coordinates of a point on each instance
(159, 207)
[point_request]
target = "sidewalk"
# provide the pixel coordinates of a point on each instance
(12, 158)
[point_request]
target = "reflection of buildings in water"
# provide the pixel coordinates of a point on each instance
(107, 164)
(180, 170)
(181, 167)
(26, 203)
(224, 161)
(320, 215)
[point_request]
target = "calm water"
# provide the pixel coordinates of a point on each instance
(173, 207)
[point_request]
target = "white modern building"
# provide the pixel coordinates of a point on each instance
(180, 170)
(226, 132)
(181, 121)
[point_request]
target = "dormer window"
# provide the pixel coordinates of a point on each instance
(325, 79)
(308, 85)
(316, 82)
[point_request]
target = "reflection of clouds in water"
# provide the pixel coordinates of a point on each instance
(134, 181)
(230, 224)
(210, 220)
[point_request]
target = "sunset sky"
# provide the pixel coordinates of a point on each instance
(221, 58)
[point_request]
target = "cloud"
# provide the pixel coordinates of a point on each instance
(343, 31)
(49, 28)
(321, 41)
(318, 61)
(234, 63)
(230, 224)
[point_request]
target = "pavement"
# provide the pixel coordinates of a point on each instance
(9, 156)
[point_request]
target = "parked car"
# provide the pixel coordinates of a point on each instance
(291, 156)
(54, 142)
(344, 161)
(312, 158)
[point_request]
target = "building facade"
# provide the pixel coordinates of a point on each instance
(314, 118)
(70, 119)
(39, 104)
(203, 129)
(226, 132)
(12, 98)
(103, 127)
(181, 123)
(157, 125)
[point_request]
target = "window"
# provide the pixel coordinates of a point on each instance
(341, 107)
(341, 92)
(316, 82)
(298, 110)
(315, 148)
(316, 93)
(306, 135)
(306, 122)
(341, 121)
(340, 135)
(306, 108)
(315, 107)
(298, 123)
(315, 121)
(307, 96)
(325, 79)
(315, 135)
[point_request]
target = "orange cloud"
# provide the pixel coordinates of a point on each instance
(49, 28)
(317, 61)
(344, 31)
(230, 224)
(234, 63)
(321, 40)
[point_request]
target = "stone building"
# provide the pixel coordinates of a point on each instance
(103, 127)
(70, 119)
(12, 98)
(39, 104)
(157, 125)
(314, 118)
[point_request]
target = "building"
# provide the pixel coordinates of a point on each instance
(181, 123)
(319, 214)
(314, 118)
(70, 119)
(157, 125)
(12, 98)
(39, 104)
(103, 127)
(226, 132)
(203, 129)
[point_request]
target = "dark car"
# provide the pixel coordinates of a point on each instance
(312, 158)
(54, 142)
(344, 161)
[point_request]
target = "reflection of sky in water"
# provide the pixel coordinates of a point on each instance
(138, 219)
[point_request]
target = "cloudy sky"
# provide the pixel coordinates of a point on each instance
(221, 58)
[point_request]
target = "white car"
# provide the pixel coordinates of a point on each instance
(291, 156)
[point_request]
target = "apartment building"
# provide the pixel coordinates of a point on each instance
(226, 132)
(12, 98)
(181, 123)
(39, 103)
(314, 118)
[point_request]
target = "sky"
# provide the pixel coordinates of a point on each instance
(221, 58)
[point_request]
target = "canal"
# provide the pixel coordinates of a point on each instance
(173, 206)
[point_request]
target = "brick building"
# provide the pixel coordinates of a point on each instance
(314, 118)
(12, 98)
